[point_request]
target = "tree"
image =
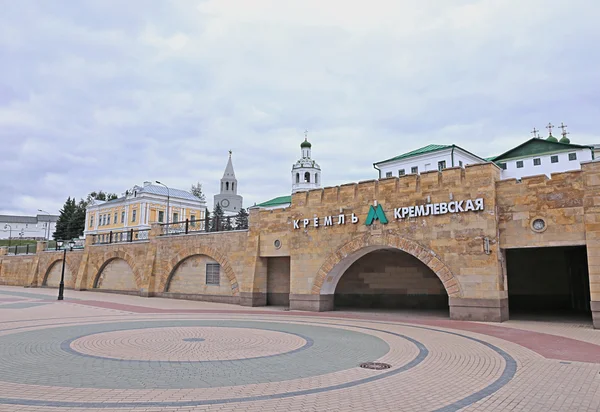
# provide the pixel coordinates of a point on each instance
(196, 190)
(65, 220)
(207, 221)
(217, 219)
(241, 219)
(100, 195)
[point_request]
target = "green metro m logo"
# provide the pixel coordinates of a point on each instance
(376, 213)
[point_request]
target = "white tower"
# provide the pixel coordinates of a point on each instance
(229, 200)
(306, 173)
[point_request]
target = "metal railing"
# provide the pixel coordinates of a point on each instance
(28, 249)
(124, 236)
(206, 225)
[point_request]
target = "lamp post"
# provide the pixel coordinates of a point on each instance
(168, 196)
(9, 233)
(61, 287)
(47, 224)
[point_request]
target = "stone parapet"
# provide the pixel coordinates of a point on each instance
(311, 303)
(483, 310)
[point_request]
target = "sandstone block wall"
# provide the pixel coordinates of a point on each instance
(117, 275)
(559, 201)
(190, 278)
(278, 281)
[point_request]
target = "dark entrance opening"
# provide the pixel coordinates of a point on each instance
(391, 279)
(278, 281)
(550, 281)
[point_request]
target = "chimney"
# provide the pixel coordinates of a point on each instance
(147, 184)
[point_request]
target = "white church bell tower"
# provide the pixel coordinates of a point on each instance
(306, 173)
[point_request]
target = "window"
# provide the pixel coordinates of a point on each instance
(307, 177)
(401, 172)
(537, 161)
(91, 221)
(460, 163)
(226, 185)
(414, 169)
(133, 215)
(519, 164)
(554, 159)
(161, 216)
(213, 271)
(316, 178)
(232, 186)
(122, 217)
(115, 217)
(502, 166)
(388, 174)
(297, 177)
(572, 156)
(193, 220)
(441, 165)
(175, 217)
(108, 219)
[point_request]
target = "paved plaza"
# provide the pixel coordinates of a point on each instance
(109, 352)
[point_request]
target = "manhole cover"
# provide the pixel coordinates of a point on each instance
(375, 365)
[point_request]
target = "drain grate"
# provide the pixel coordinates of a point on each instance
(375, 365)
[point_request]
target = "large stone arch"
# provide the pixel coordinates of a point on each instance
(52, 263)
(339, 261)
(191, 251)
(113, 255)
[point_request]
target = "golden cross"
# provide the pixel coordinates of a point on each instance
(306, 133)
(549, 127)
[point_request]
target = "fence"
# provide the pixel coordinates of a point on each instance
(126, 236)
(22, 249)
(207, 225)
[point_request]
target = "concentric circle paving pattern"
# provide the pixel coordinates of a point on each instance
(317, 349)
(188, 344)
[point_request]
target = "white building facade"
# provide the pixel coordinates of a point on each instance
(426, 159)
(39, 227)
(543, 156)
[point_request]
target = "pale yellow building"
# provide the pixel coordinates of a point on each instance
(139, 208)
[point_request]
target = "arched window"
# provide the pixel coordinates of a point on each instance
(316, 178)
(307, 177)
(221, 186)
(297, 177)
(226, 185)
(232, 183)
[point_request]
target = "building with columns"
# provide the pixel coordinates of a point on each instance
(140, 206)
(228, 199)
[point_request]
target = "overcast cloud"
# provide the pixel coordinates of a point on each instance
(105, 94)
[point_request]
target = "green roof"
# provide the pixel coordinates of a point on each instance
(426, 149)
(536, 146)
(281, 200)
(305, 143)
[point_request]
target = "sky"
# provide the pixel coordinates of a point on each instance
(106, 94)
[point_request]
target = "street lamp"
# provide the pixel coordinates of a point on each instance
(9, 233)
(168, 196)
(47, 224)
(61, 287)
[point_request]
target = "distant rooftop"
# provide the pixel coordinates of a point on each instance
(281, 200)
(28, 219)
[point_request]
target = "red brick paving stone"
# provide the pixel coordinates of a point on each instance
(547, 345)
